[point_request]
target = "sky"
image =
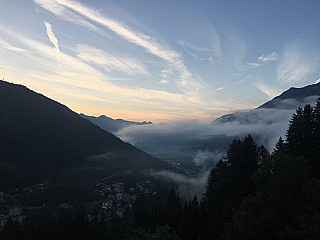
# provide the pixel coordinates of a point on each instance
(160, 60)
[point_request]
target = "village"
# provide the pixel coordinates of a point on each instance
(117, 198)
(9, 212)
(112, 200)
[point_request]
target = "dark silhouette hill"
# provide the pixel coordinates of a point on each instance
(288, 100)
(298, 94)
(41, 139)
(110, 124)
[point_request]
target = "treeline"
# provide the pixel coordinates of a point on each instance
(228, 183)
(65, 225)
(286, 200)
(254, 194)
(69, 224)
(250, 194)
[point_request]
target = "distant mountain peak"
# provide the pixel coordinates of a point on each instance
(101, 116)
(110, 124)
(297, 94)
(288, 100)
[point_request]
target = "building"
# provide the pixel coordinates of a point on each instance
(120, 212)
(11, 213)
(107, 204)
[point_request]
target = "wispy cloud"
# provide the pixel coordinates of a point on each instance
(237, 48)
(74, 70)
(253, 65)
(165, 73)
(215, 42)
(220, 88)
(110, 62)
(208, 43)
(52, 38)
(163, 81)
(84, 88)
(123, 31)
(297, 64)
(186, 82)
(271, 57)
(65, 13)
(267, 90)
(10, 47)
(263, 59)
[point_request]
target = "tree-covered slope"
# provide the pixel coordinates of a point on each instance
(40, 139)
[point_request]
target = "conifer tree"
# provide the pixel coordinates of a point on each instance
(294, 132)
(314, 154)
(231, 180)
(302, 138)
(300, 132)
(263, 153)
(173, 210)
(280, 147)
(214, 185)
(316, 132)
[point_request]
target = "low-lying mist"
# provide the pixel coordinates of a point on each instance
(205, 144)
(188, 186)
(267, 125)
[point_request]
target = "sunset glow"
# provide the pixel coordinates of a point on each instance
(146, 60)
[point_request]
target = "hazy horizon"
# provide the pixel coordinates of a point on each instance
(150, 61)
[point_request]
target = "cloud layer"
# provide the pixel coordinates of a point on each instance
(266, 125)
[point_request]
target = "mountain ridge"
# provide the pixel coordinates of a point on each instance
(42, 139)
(110, 124)
(293, 93)
(288, 100)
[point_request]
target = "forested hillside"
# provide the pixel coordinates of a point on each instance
(250, 194)
(41, 139)
(254, 194)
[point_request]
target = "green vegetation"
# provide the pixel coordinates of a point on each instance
(286, 201)
(250, 194)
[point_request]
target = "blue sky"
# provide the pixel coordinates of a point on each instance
(160, 60)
